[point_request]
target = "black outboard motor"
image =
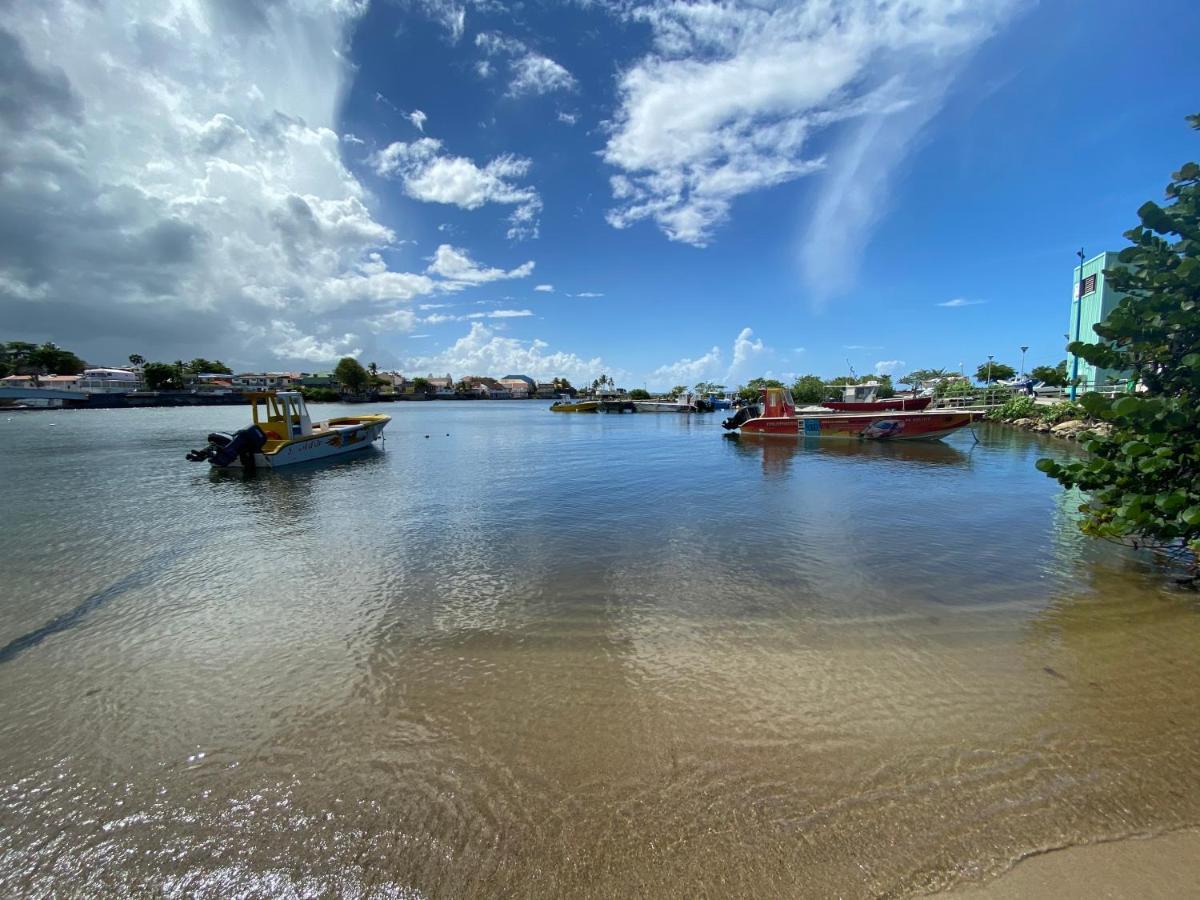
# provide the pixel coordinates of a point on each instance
(224, 448)
(743, 415)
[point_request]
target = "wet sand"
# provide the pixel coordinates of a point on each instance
(1165, 866)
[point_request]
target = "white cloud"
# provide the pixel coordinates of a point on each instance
(544, 288)
(861, 347)
(689, 371)
(481, 351)
(732, 94)
(888, 366)
(586, 294)
(173, 182)
(509, 313)
(568, 118)
(456, 266)
(747, 350)
(959, 301)
(529, 72)
(397, 320)
(434, 177)
(418, 119)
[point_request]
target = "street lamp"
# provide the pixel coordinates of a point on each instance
(1078, 324)
(989, 378)
(1023, 349)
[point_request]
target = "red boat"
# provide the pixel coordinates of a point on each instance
(910, 403)
(777, 417)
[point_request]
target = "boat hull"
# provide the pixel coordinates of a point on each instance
(920, 426)
(908, 404)
(584, 406)
(333, 440)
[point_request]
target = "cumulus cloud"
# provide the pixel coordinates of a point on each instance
(960, 301)
(544, 288)
(482, 351)
(174, 186)
(430, 175)
(747, 351)
(730, 97)
(888, 366)
(529, 71)
(418, 119)
(457, 267)
(568, 118)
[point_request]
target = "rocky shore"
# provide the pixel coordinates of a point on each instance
(1070, 430)
(1065, 420)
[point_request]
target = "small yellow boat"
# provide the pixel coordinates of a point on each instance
(284, 434)
(575, 406)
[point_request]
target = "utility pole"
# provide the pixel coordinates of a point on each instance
(1078, 325)
(1023, 349)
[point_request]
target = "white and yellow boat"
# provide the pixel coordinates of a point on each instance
(283, 434)
(568, 405)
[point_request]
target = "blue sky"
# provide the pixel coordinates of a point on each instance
(665, 191)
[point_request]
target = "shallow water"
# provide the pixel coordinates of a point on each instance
(523, 654)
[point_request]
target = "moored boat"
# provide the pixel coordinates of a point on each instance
(570, 405)
(283, 434)
(777, 416)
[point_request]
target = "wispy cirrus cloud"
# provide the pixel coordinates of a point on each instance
(732, 95)
(529, 72)
(960, 301)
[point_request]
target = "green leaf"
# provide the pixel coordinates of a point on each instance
(1126, 406)
(1173, 501)
(1191, 515)
(1191, 360)
(1136, 448)
(1049, 466)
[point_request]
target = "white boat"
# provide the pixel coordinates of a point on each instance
(283, 434)
(682, 404)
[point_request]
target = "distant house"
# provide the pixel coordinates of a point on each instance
(317, 380)
(57, 382)
(547, 391)
(442, 387)
(519, 387)
(266, 381)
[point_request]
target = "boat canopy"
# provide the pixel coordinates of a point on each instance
(282, 415)
(777, 401)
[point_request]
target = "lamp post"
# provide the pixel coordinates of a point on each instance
(1023, 349)
(989, 378)
(1078, 324)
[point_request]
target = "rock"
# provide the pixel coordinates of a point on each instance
(1024, 423)
(1070, 427)
(1041, 428)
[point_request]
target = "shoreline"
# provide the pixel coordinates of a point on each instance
(1138, 866)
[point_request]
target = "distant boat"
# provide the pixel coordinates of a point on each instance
(683, 404)
(570, 405)
(283, 434)
(777, 417)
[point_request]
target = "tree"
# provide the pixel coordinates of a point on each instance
(136, 359)
(373, 369)
(162, 377)
(421, 385)
(639, 394)
(886, 389)
(202, 366)
(678, 390)
(50, 359)
(701, 388)
(1055, 376)
(350, 374)
(993, 371)
(1143, 479)
(752, 389)
(809, 389)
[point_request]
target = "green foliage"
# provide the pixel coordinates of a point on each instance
(701, 388)
(1053, 413)
(24, 358)
(421, 386)
(809, 390)
(752, 390)
(993, 371)
(162, 377)
(639, 394)
(1143, 480)
(1055, 376)
(917, 376)
(202, 366)
(350, 374)
(319, 394)
(886, 389)
(1021, 407)
(136, 359)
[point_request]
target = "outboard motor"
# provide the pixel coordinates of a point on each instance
(224, 448)
(743, 415)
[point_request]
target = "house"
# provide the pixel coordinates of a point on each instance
(317, 380)
(266, 381)
(519, 387)
(57, 382)
(1093, 298)
(546, 390)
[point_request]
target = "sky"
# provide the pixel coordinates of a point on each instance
(666, 192)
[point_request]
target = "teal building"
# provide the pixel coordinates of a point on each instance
(1092, 300)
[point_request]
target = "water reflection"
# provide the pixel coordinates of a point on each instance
(778, 454)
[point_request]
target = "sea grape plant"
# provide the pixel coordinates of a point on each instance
(1142, 481)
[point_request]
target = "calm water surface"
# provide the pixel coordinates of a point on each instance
(532, 655)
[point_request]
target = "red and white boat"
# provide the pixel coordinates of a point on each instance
(913, 404)
(777, 416)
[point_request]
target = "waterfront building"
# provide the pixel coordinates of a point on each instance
(317, 380)
(443, 388)
(1093, 298)
(519, 387)
(266, 381)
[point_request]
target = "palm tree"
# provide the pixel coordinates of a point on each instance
(136, 359)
